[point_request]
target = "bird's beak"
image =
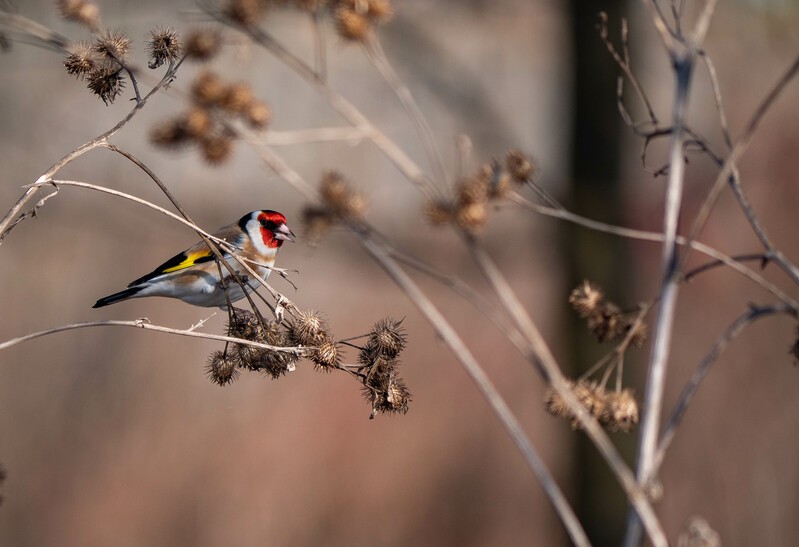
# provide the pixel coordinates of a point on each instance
(283, 232)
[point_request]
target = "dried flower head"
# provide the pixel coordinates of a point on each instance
(112, 44)
(106, 83)
(383, 387)
(163, 45)
(473, 189)
(81, 60)
(246, 325)
(221, 368)
(203, 44)
(380, 11)
(586, 298)
(589, 394)
(197, 122)
(439, 212)
(317, 222)
(621, 412)
(246, 13)
(698, 533)
(216, 148)
(308, 328)
(351, 25)
(639, 334)
(258, 114)
(471, 217)
(81, 11)
(170, 134)
(326, 355)
(607, 322)
(237, 98)
(208, 89)
(340, 198)
(520, 166)
(500, 181)
(387, 338)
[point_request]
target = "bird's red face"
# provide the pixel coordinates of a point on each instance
(274, 230)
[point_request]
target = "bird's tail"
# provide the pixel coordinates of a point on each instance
(117, 297)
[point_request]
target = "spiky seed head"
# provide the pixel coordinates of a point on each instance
(520, 166)
(639, 334)
(698, 533)
(112, 44)
(317, 222)
(471, 217)
(380, 11)
(170, 134)
(237, 98)
(439, 212)
(326, 355)
(197, 122)
(203, 44)
(246, 13)
(351, 25)
(473, 189)
(607, 322)
(585, 298)
(397, 397)
(593, 397)
(221, 368)
(500, 181)
(106, 83)
(589, 394)
(335, 190)
(81, 60)
(216, 149)
(621, 412)
(245, 324)
(81, 11)
(208, 89)
(163, 45)
(388, 337)
(308, 328)
(258, 115)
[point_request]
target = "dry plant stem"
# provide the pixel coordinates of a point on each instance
(483, 383)
(320, 47)
(631, 233)
(350, 135)
(144, 324)
(739, 148)
(6, 223)
(546, 363)
(623, 60)
(661, 341)
(691, 388)
(374, 52)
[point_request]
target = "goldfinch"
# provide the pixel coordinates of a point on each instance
(193, 275)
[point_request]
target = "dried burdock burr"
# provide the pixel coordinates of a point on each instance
(221, 368)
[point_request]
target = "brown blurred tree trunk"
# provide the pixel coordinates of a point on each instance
(595, 192)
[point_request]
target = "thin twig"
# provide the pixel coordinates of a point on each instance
(483, 383)
(688, 392)
(144, 324)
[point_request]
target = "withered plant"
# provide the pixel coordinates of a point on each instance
(220, 115)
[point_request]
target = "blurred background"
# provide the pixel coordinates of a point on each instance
(115, 436)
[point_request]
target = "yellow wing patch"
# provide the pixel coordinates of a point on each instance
(188, 260)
